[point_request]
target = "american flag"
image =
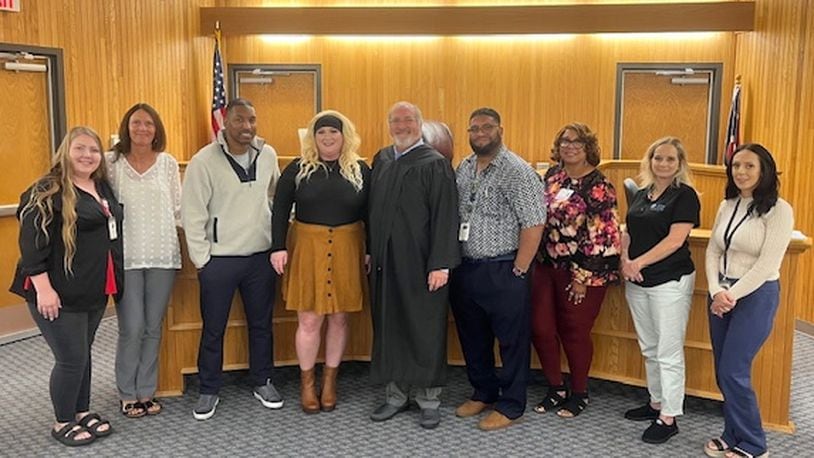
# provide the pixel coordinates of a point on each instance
(218, 89)
(733, 126)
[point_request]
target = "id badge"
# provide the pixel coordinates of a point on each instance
(564, 194)
(463, 232)
(112, 231)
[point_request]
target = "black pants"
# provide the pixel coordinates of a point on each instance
(219, 279)
(70, 337)
(488, 302)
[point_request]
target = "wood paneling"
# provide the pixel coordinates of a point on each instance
(493, 19)
(777, 67)
(537, 84)
(654, 107)
(617, 355)
(120, 52)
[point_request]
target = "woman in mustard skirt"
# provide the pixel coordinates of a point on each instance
(321, 254)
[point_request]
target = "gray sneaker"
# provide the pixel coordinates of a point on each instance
(268, 395)
(205, 407)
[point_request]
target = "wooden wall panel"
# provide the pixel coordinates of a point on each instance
(777, 67)
(537, 84)
(120, 52)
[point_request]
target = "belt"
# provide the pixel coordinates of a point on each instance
(501, 258)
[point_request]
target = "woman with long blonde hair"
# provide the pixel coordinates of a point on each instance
(322, 257)
(71, 262)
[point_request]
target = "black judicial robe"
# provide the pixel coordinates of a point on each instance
(413, 217)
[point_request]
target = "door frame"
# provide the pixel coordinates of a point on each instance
(714, 106)
(56, 89)
(234, 70)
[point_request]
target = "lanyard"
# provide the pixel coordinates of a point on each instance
(729, 235)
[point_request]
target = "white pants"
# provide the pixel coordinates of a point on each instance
(660, 314)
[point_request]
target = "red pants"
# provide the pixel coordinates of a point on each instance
(555, 319)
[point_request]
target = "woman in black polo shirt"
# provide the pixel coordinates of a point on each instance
(660, 278)
(70, 263)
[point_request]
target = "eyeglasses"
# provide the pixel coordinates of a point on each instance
(564, 143)
(486, 129)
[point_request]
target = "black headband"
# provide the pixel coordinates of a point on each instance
(328, 120)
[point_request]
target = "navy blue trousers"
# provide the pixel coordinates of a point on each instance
(254, 277)
(488, 302)
(736, 339)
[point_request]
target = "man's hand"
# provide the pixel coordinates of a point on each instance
(437, 279)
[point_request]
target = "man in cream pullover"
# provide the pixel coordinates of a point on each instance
(226, 213)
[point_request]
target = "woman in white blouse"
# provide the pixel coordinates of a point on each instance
(749, 239)
(147, 183)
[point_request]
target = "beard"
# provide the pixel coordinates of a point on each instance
(488, 148)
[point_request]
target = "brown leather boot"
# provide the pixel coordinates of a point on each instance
(308, 391)
(328, 396)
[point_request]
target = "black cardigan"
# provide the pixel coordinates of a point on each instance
(84, 290)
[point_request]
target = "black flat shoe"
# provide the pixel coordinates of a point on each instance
(643, 413)
(659, 432)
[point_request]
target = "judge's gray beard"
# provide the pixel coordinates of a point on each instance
(488, 148)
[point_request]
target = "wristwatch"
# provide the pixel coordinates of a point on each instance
(518, 273)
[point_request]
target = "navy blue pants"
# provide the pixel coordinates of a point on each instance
(736, 339)
(254, 277)
(488, 302)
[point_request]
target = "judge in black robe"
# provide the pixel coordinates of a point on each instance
(413, 221)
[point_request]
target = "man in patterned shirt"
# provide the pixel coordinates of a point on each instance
(502, 216)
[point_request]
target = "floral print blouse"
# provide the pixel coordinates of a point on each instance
(582, 230)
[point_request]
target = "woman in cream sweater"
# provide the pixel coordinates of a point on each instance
(749, 238)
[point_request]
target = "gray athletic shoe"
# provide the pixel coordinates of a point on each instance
(205, 407)
(268, 395)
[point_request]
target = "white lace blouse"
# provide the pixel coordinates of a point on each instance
(152, 210)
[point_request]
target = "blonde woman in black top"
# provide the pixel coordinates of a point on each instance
(71, 261)
(660, 276)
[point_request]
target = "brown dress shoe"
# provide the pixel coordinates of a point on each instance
(470, 408)
(495, 420)
(328, 395)
(308, 391)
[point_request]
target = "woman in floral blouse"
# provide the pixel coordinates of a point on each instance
(577, 259)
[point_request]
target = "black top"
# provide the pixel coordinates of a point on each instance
(648, 223)
(84, 290)
(325, 198)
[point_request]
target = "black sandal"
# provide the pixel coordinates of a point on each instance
(575, 404)
(131, 409)
(552, 399)
(67, 435)
(88, 423)
(152, 404)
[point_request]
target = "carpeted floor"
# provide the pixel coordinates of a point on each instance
(242, 427)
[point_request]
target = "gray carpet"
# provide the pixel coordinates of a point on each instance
(242, 427)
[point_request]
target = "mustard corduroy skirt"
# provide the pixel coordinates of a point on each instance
(326, 268)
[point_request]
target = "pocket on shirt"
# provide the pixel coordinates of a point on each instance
(215, 230)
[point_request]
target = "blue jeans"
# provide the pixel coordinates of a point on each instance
(736, 339)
